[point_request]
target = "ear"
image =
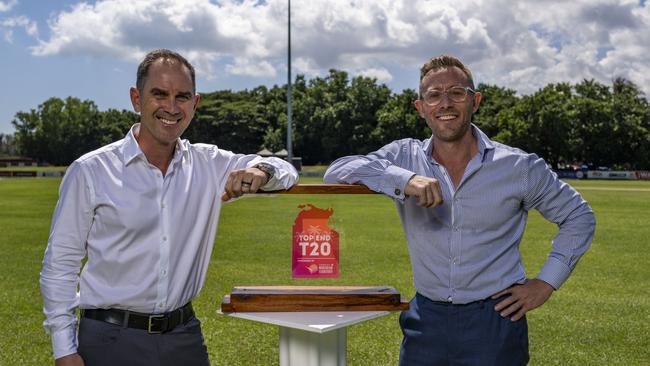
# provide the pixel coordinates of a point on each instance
(197, 99)
(477, 101)
(135, 99)
(418, 105)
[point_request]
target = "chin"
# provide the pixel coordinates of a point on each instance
(450, 135)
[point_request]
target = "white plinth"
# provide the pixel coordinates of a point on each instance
(312, 338)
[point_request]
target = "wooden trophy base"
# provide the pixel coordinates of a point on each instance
(312, 298)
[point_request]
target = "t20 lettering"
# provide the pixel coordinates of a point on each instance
(316, 249)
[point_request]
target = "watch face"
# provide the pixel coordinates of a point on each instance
(266, 168)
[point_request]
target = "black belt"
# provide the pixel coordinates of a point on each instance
(152, 323)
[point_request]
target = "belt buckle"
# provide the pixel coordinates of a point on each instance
(150, 324)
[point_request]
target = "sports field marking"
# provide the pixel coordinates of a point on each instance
(613, 189)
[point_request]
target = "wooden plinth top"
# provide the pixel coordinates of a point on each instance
(326, 189)
(312, 298)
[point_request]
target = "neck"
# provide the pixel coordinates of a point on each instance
(455, 154)
(157, 154)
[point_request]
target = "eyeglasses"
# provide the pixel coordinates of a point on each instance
(457, 94)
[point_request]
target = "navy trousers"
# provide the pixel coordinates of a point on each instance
(437, 333)
(104, 344)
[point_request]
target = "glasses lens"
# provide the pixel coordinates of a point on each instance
(457, 94)
(433, 97)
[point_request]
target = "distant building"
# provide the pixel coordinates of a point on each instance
(281, 154)
(16, 161)
(264, 153)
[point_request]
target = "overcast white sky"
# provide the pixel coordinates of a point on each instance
(90, 50)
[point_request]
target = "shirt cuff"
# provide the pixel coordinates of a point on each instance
(64, 342)
(554, 272)
(394, 181)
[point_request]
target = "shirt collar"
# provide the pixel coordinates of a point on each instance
(484, 143)
(131, 150)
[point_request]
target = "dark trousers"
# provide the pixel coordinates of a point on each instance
(104, 344)
(438, 333)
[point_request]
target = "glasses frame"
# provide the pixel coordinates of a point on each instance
(445, 93)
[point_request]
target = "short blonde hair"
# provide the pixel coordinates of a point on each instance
(443, 62)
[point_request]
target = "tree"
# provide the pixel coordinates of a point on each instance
(631, 119)
(113, 125)
(323, 112)
(365, 99)
(60, 131)
(398, 119)
(593, 122)
(232, 121)
(494, 99)
(275, 112)
(334, 116)
(614, 125)
(53, 132)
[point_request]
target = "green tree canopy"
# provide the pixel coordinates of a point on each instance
(336, 115)
(59, 131)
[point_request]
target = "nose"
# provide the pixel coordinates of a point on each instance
(170, 105)
(445, 101)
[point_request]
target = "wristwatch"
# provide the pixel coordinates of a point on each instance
(266, 168)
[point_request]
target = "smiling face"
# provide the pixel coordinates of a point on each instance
(449, 121)
(166, 104)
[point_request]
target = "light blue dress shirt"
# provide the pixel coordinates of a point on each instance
(467, 249)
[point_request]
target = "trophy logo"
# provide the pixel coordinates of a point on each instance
(315, 244)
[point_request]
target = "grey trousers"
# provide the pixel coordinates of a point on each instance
(104, 344)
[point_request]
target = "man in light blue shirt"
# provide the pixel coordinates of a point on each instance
(463, 200)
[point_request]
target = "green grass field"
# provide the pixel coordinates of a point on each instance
(601, 316)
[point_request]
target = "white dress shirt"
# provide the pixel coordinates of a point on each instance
(148, 238)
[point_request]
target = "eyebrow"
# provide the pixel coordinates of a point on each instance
(443, 89)
(159, 91)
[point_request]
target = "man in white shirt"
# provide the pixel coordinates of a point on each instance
(144, 212)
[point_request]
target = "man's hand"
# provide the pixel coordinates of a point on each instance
(426, 189)
(243, 181)
(69, 360)
(523, 298)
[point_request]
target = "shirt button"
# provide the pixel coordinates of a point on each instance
(398, 192)
(162, 205)
(164, 238)
(449, 299)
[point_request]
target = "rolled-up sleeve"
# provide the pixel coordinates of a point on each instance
(561, 204)
(65, 250)
(285, 175)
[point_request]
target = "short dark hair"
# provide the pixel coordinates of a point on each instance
(166, 55)
(443, 62)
